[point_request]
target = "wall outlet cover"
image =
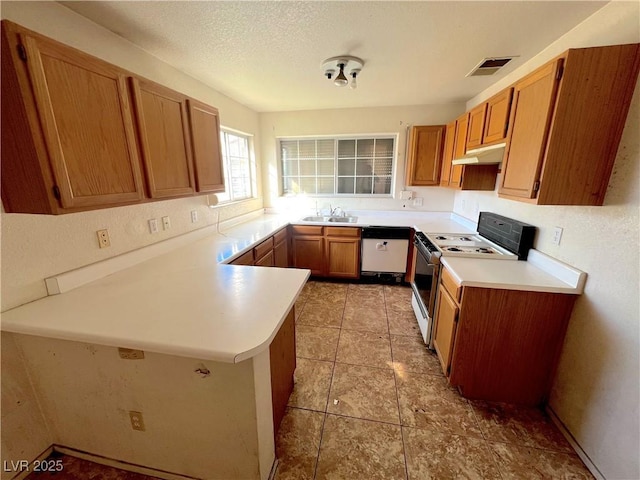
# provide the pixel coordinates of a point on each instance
(153, 225)
(103, 238)
(406, 195)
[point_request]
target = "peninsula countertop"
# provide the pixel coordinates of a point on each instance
(181, 303)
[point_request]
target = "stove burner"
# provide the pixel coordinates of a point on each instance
(440, 237)
(466, 239)
(453, 249)
(484, 250)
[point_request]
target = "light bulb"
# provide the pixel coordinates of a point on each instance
(354, 84)
(341, 80)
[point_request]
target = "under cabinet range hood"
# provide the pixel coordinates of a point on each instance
(483, 156)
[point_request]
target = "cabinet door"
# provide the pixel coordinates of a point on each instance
(445, 328)
(282, 360)
(533, 101)
(425, 155)
(86, 120)
(460, 149)
(266, 260)
(447, 157)
(281, 254)
(308, 252)
(244, 259)
(163, 129)
(497, 117)
(343, 257)
(207, 155)
(476, 126)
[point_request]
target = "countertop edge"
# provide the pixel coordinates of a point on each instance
(259, 348)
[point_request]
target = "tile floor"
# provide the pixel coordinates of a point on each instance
(370, 402)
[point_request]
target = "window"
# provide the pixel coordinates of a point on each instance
(337, 166)
(239, 169)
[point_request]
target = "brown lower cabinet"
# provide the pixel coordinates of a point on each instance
(282, 356)
(272, 252)
(500, 345)
(281, 249)
(326, 251)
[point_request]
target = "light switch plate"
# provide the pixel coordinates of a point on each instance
(557, 235)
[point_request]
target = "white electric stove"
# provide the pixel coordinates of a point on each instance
(465, 245)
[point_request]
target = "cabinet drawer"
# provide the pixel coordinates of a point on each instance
(306, 229)
(280, 236)
(244, 259)
(342, 232)
(451, 285)
(262, 249)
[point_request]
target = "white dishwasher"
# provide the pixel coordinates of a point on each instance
(384, 251)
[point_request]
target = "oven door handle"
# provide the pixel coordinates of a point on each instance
(419, 300)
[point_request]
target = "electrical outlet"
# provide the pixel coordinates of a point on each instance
(166, 223)
(417, 202)
(194, 216)
(103, 238)
(557, 235)
(406, 195)
(153, 225)
(137, 422)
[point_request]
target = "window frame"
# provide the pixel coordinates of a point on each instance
(336, 138)
(226, 166)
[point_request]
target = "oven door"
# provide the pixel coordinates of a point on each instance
(425, 282)
(424, 286)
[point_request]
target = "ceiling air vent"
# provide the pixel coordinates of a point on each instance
(489, 66)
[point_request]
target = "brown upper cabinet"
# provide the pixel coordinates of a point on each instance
(163, 128)
(68, 139)
(566, 122)
(489, 121)
(424, 161)
(496, 123)
(463, 177)
(459, 149)
(447, 156)
(73, 133)
(205, 138)
(476, 126)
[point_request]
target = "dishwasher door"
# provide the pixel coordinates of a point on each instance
(380, 255)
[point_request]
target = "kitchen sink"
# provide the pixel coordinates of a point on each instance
(330, 219)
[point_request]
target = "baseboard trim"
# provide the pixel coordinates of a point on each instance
(274, 469)
(574, 443)
(130, 467)
(42, 456)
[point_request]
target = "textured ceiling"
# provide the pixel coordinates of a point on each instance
(268, 55)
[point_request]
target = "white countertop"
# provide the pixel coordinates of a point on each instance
(539, 273)
(441, 222)
(177, 297)
(182, 303)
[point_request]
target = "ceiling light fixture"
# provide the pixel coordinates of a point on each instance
(342, 64)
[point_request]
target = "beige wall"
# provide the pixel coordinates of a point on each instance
(383, 120)
(25, 434)
(35, 247)
(597, 389)
(195, 425)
